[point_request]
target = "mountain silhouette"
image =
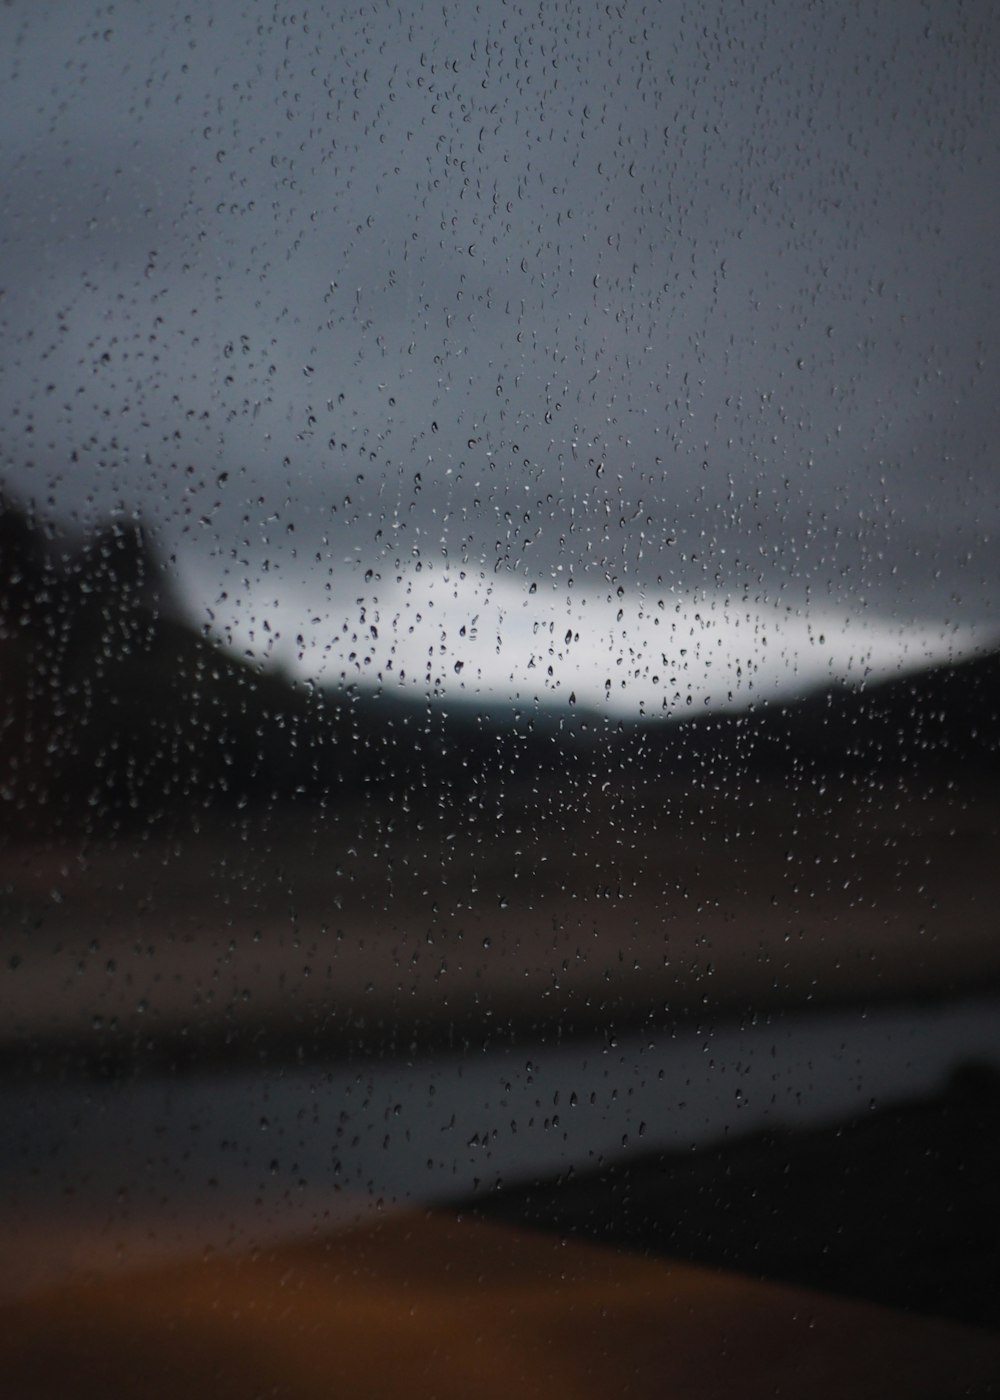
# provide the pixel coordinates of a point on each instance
(116, 711)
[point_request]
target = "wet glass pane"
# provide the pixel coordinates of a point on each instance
(499, 608)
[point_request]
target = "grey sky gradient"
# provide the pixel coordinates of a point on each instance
(698, 298)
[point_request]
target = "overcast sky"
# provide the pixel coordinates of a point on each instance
(480, 317)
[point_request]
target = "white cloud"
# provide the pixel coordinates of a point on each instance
(625, 653)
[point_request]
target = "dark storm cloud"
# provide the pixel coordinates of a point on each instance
(677, 292)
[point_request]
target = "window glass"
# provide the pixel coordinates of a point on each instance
(498, 761)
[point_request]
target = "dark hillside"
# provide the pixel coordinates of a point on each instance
(117, 712)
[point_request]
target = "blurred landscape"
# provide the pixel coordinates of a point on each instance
(203, 858)
(500, 701)
(209, 867)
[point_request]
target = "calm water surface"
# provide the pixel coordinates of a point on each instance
(158, 1165)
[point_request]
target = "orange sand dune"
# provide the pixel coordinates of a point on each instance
(427, 1305)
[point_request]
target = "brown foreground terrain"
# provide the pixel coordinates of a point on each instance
(430, 1305)
(302, 935)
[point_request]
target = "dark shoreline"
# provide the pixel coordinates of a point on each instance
(338, 1037)
(898, 1206)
